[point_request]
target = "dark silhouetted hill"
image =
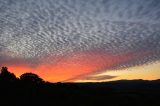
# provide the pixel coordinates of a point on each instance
(30, 90)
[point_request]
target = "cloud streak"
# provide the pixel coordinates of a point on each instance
(100, 78)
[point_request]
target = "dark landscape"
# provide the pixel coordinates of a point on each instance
(30, 89)
(80, 52)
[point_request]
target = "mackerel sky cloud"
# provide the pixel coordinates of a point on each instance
(75, 38)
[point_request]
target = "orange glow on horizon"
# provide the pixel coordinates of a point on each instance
(73, 68)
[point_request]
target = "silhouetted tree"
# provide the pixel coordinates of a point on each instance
(31, 78)
(5, 75)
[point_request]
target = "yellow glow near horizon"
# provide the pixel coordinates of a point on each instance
(145, 72)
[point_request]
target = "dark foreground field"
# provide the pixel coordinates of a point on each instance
(30, 90)
(118, 93)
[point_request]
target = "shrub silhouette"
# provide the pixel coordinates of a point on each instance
(5, 75)
(31, 78)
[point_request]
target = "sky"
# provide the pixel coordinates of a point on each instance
(81, 40)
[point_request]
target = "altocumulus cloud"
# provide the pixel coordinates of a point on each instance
(32, 30)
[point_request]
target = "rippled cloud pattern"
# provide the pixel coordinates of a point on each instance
(33, 31)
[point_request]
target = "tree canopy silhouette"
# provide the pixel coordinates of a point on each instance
(31, 78)
(5, 75)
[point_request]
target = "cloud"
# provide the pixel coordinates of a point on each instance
(100, 78)
(37, 31)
